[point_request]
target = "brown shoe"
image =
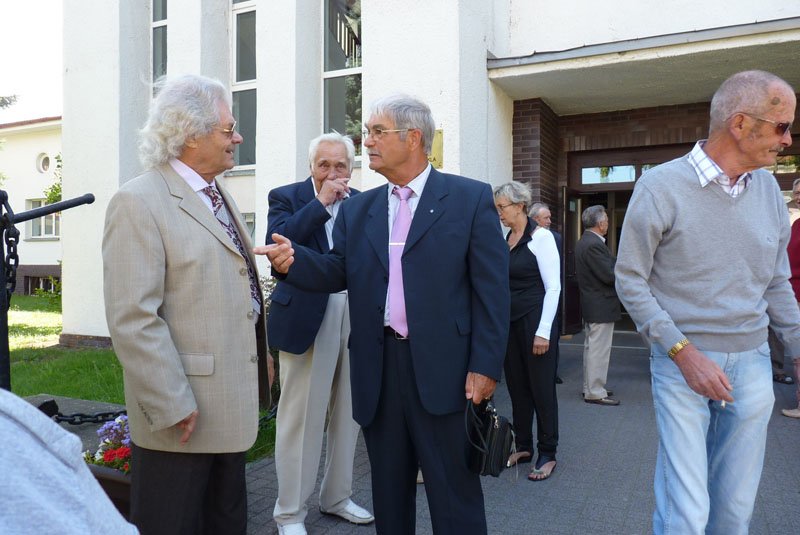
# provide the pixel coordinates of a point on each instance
(603, 401)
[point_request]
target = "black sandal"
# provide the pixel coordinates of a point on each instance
(537, 469)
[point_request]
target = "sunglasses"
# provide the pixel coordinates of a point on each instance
(780, 128)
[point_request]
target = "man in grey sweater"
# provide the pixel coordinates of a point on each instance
(703, 279)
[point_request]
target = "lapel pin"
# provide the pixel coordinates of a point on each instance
(431, 210)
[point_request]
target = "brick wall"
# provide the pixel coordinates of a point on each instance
(536, 147)
(644, 127)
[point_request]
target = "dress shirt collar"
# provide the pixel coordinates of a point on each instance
(708, 171)
(195, 181)
(598, 235)
(416, 185)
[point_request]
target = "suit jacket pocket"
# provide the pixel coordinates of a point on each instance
(197, 363)
(464, 325)
(280, 296)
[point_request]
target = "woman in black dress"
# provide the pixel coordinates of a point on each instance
(530, 364)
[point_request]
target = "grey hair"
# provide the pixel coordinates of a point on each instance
(184, 107)
(795, 183)
(515, 192)
(332, 137)
(407, 112)
(536, 208)
(746, 91)
(592, 216)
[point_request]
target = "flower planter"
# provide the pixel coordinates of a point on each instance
(117, 486)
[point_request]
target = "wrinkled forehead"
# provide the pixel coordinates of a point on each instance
(380, 121)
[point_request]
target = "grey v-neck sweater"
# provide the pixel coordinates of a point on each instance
(694, 262)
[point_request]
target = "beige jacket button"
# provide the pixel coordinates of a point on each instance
(253, 358)
(243, 271)
(250, 315)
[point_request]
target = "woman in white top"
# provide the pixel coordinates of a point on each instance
(530, 364)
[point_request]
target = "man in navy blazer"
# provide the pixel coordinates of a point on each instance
(311, 330)
(409, 389)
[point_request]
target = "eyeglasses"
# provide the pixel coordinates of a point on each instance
(229, 131)
(501, 207)
(780, 128)
(378, 133)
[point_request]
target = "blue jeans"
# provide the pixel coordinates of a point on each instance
(710, 457)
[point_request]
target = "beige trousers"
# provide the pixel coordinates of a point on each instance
(596, 355)
(313, 385)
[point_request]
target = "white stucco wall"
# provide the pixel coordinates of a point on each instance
(21, 147)
(441, 58)
(524, 26)
(105, 99)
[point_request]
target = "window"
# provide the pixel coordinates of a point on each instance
(250, 222)
(342, 69)
(243, 77)
(159, 42)
(48, 226)
(43, 163)
(616, 170)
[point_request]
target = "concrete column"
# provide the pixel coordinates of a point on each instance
(440, 57)
(106, 69)
(289, 56)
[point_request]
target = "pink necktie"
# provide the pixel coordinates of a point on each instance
(222, 217)
(402, 222)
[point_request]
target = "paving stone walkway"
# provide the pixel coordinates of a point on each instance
(606, 458)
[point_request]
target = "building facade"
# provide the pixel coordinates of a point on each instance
(570, 98)
(29, 152)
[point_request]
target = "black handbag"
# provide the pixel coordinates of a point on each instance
(491, 437)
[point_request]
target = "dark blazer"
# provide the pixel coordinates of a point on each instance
(455, 273)
(594, 264)
(296, 315)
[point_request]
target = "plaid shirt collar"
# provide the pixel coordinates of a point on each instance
(708, 171)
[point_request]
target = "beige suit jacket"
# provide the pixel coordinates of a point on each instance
(178, 306)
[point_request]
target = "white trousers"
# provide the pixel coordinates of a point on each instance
(313, 385)
(596, 355)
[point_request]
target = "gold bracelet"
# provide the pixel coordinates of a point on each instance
(677, 347)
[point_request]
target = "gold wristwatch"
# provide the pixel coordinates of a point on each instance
(677, 347)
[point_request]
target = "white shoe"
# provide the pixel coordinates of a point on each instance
(791, 413)
(352, 513)
(298, 528)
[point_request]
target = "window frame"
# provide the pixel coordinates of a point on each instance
(55, 219)
(153, 25)
(239, 8)
(338, 73)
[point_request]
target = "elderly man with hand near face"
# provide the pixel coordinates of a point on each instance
(426, 269)
(185, 312)
(311, 330)
(703, 279)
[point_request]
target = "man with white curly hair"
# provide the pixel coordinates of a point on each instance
(186, 317)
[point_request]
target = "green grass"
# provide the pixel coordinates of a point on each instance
(33, 322)
(93, 374)
(40, 367)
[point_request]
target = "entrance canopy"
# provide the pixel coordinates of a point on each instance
(664, 70)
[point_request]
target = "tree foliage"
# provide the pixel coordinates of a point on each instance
(5, 102)
(53, 193)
